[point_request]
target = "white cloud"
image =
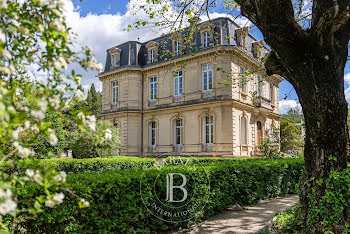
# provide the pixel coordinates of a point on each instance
(286, 105)
(102, 32)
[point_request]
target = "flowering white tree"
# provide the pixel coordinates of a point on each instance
(34, 36)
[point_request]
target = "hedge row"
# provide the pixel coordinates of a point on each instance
(117, 205)
(87, 165)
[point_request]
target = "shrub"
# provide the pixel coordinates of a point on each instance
(86, 144)
(87, 165)
(117, 206)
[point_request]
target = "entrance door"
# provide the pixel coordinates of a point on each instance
(259, 128)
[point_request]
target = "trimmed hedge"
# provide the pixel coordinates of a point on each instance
(117, 206)
(71, 165)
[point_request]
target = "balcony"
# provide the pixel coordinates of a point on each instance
(259, 101)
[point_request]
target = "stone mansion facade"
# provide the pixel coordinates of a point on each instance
(174, 96)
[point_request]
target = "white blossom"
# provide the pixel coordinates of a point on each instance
(30, 173)
(81, 116)
(38, 115)
(7, 206)
(61, 177)
(42, 3)
(55, 102)
(58, 198)
(22, 151)
(37, 177)
(57, 65)
(49, 203)
(2, 37)
(52, 137)
(26, 125)
(79, 95)
(23, 30)
(42, 104)
(5, 194)
(3, 4)
(6, 53)
(84, 202)
(91, 122)
(63, 62)
(108, 134)
(35, 129)
(57, 25)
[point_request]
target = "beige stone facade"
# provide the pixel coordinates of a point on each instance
(165, 107)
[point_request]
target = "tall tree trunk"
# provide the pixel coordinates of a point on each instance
(325, 110)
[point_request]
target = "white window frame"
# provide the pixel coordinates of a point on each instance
(207, 77)
(178, 130)
(153, 133)
(178, 83)
(153, 88)
(177, 47)
(244, 131)
(209, 130)
(206, 39)
(152, 57)
(115, 92)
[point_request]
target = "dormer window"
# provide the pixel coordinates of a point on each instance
(177, 43)
(115, 57)
(257, 49)
(207, 34)
(152, 48)
(241, 37)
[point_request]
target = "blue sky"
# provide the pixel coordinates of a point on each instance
(118, 8)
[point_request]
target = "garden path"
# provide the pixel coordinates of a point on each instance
(249, 219)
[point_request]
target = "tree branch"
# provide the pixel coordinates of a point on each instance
(331, 18)
(276, 21)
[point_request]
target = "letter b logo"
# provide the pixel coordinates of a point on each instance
(170, 187)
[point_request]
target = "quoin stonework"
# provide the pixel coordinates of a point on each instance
(171, 95)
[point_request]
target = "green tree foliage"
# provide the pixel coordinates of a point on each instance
(94, 102)
(57, 125)
(88, 144)
(291, 132)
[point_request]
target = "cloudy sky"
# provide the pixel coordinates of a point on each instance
(100, 24)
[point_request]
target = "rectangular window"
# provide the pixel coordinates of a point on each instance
(178, 131)
(178, 83)
(242, 80)
(206, 39)
(153, 88)
(209, 130)
(152, 56)
(243, 131)
(114, 60)
(207, 71)
(177, 47)
(115, 90)
(153, 133)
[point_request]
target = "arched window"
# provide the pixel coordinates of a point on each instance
(244, 131)
(209, 130)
